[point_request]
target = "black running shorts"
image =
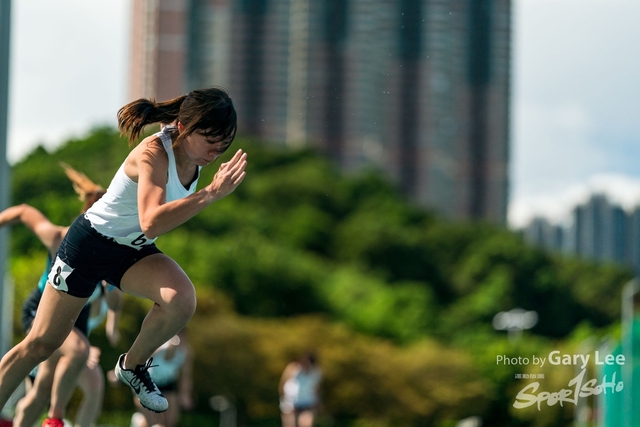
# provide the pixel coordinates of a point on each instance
(86, 257)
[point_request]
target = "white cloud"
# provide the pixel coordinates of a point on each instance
(553, 146)
(576, 94)
(68, 69)
(556, 206)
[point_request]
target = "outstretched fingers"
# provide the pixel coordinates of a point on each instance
(237, 167)
(230, 174)
(236, 157)
(239, 160)
(237, 180)
(234, 160)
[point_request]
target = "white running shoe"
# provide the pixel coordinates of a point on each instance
(142, 385)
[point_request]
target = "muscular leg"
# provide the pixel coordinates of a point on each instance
(91, 383)
(34, 403)
(75, 351)
(305, 418)
(54, 320)
(160, 279)
(55, 381)
(288, 419)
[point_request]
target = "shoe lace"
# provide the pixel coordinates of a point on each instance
(142, 376)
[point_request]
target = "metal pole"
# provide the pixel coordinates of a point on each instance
(5, 33)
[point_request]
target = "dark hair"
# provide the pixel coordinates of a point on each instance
(91, 198)
(309, 356)
(209, 111)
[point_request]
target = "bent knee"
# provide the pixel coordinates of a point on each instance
(182, 304)
(79, 351)
(76, 346)
(41, 348)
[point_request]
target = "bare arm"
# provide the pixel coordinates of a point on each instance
(49, 234)
(156, 215)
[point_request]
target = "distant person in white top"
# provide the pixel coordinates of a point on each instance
(300, 392)
(153, 192)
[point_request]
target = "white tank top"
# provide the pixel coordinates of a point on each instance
(115, 215)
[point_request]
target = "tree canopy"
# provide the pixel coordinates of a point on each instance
(397, 301)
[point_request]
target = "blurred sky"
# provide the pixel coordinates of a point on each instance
(575, 91)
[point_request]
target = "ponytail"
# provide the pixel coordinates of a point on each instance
(133, 117)
(88, 191)
(209, 111)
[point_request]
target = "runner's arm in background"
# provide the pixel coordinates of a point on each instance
(49, 234)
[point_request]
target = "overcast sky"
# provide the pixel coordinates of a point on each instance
(576, 104)
(68, 70)
(575, 91)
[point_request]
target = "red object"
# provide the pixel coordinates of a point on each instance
(53, 422)
(5, 423)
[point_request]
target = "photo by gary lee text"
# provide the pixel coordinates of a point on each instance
(557, 358)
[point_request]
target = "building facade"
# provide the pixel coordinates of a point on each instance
(417, 88)
(599, 230)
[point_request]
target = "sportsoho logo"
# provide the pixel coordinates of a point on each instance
(577, 387)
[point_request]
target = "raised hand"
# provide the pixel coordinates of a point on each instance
(229, 175)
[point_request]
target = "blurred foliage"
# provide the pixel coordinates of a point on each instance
(397, 302)
(363, 377)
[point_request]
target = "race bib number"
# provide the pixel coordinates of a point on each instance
(134, 240)
(58, 275)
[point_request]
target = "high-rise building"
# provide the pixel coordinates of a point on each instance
(599, 230)
(158, 49)
(615, 242)
(573, 233)
(418, 88)
(541, 232)
(633, 245)
(593, 227)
